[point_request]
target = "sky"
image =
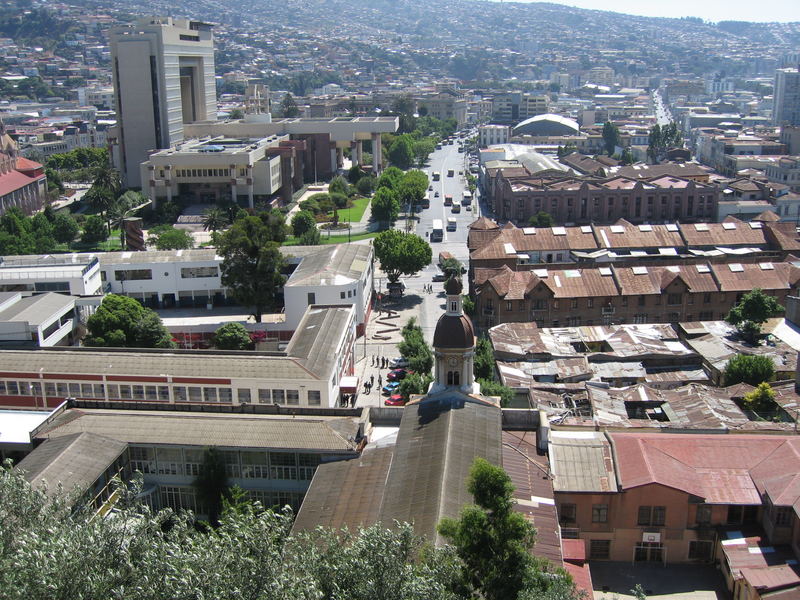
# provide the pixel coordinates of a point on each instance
(709, 10)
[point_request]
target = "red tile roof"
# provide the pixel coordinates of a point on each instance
(772, 578)
(13, 181)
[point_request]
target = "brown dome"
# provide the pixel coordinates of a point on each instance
(454, 332)
(453, 287)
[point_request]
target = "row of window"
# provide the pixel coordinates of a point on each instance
(184, 498)
(648, 516)
(698, 550)
(180, 393)
(291, 466)
(147, 274)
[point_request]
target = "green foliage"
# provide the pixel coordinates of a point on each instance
(469, 305)
(627, 156)
(167, 237)
(385, 205)
(423, 148)
(493, 541)
(541, 219)
(366, 185)
(660, 139)
(495, 388)
(94, 230)
(80, 158)
(215, 218)
(413, 187)
(401, 152)
(312, 237)
(289, 107)
(451, 267)
(303, 221)
(251, 265)
(236, 114)
(415, 349)
(275, 223)
(339, 185)
(390, 178)
(211, 484)
(611, 137)
(232, 336)
(401, 253)
(355, 174)
(339, 200)
(483, 364)
(751, 311)
(752, 369)
(20, 234)
(124, 323)
(761, 399)
(414, 384)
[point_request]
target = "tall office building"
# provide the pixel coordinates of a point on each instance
(787, 97)
(163, 78)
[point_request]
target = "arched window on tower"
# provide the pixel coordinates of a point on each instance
(449, 378)
(453, 306)
(456, 378)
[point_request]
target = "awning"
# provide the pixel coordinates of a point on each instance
(348, 385)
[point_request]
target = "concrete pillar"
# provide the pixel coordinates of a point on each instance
(339, 157)
(250, 192)
(360, 152)
(153, 196)
(377, 153)
(354, 152)
(233, 189)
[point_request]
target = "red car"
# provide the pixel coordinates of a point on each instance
(395, 400)
(398, 374)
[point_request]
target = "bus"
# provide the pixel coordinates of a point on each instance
(436, 175)
(448, 200)
(452, 224)
(437, 233)
(450, 172)
(466, 200)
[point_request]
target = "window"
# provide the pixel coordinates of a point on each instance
(567, 513)
(195, 394)
(292, 397)
(264, 396)
(283, 465)
(170, 461)
(179, 393)
(600, 513)
(195, 272)
(641, 300)
(700, 550)
(178, 498)
(590, 303)
(341, 295)
(509, 306)
(783, 516)
(225, 394)
(143, 459)
(599, 549)
(540, 304)
(573, 303)
(312, 298)
(210, 394)
(193, 461)
(278, 396)
(308, 465)
(243, 395)
(673, 298)
(652, 516)
(703, 516)
(254, 465)
(314, 398)
(133, 274)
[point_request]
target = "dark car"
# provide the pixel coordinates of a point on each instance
(439, 277)
(436, 195)
(395, 400)
(398, 374)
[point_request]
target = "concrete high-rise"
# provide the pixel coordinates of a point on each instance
(163, 78)
(787, 97)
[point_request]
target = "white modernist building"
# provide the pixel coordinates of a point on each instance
(163, 72)
(74, 274)
(213, 169)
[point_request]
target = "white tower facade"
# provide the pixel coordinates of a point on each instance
(454, 345)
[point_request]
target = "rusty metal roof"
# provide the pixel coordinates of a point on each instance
(581, 461)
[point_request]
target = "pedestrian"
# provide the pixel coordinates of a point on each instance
(372, 379)
(380, 381)
(372, 359)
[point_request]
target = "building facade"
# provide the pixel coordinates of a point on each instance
(787, 97)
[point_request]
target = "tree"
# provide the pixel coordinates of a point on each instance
(122, 322)
(385, 205)
(541, 219)
(94, 230)
(493, 541)
(483, 364)
(490, 387)
(289, 106)
(302, 221)
(215, 218)
(232, 336)
(422, 150)
(339, 185)
(236, 114)
(627, 156)
(401, 152)
(414, 384)
(611, 137)
(166, 237)
(451, 267)
(401, 253)
(251, 263)
(390, 178)
(119, 210)
(415, 349)
(413, 187)
(65, 228)
(354, 174)
(751, 311)
(211, 484)
(366, 185)
(310, 238)
(275, 222)
(747, 368)
(761, 399)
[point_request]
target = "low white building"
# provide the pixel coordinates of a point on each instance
(213, 169)
(489, 135)
(43, 320)
(74, 274)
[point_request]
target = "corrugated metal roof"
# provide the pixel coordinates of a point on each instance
(332, 265)
(35, 310)
(581, 462)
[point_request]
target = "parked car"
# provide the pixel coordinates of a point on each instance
(430, 188)
(395, 400)
(398, 374)
(398, 362)
(439, 277)
(390, 387)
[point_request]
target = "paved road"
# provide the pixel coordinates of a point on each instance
(663, 115)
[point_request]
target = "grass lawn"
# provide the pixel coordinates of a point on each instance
(333, 239)
(354, 213)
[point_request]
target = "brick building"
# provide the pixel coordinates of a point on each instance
(572, 199)
(554, 297)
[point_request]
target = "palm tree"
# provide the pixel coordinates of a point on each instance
(116, 214)
(215, 218)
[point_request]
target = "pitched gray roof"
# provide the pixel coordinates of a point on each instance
(35, 310)
(75, 461)
(222, 430)
(317, 337)
(333, 265)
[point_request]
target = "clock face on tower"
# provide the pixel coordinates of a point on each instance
(453, 361)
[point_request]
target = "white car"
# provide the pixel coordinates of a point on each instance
(398, 362)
